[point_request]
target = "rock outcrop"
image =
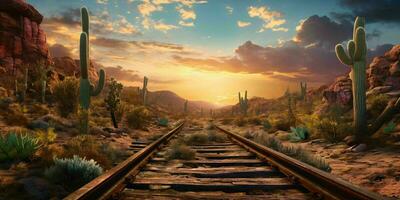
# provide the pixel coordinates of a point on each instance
(22, 40)
(383, 76)
(66, 66)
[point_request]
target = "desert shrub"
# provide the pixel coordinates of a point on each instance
(46, 137)
(73, 172)
(87, 146)
(17, 146)
(333, 130)
(180, 151)
(226, 121)
(210, 126)
(120, 111)
(298, 134)
(214, 136)
(162, 122)
(266, 124)
(15, 118)
(137, 118)
(292, 151)
(66, 94)
(240, 121)
(196, 138)
(376, 104)
(282, 124)
(48, 153)
(254, 121)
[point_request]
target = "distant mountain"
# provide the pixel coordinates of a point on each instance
(167, 101)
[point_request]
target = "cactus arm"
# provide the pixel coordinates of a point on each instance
(351, 46)
(342, 56)
(100, 85)
(361, 45)
(359, 22)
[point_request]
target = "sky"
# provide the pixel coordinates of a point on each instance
(212, 49)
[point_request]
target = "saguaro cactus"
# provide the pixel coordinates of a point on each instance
(303, 91)
(243, 103)
(185, 107)
(356, 59)
(144, 90)
(86, 90)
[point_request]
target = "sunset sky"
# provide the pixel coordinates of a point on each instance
(211, 49)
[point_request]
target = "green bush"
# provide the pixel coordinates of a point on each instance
(162, 122)
(376, 104)
(298, 134)
(180, 151)
(66, 94)
(138, 117)
(389, 128)
(17, 146)
(74, 172)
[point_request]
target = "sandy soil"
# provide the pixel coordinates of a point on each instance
(376, 169)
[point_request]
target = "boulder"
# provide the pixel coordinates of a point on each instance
(379, 90)
(340, 92)
(38, 124)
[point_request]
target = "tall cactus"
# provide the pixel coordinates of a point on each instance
(243, 103)
(144, 90)
(356, 59)
(87, 90)
(303, 91)
(185, 107)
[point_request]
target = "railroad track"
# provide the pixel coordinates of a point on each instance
(235, 169)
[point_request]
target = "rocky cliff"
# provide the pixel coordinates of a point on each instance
(383, 76)
(22, 40)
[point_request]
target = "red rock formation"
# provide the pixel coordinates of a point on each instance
(22, 41)
(66, 66)
(383, 77)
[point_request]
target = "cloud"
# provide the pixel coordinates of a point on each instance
(243, 24)
(323, 31)
(122, 74)
(184, 7)
(383, 11)
(309, 56)
(272, 19)
(102, 1)
(59, 50)
(229, 9)
(183, 23)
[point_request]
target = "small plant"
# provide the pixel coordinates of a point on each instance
(298, 134)
(65, 94)
(180, 151)
(113, 99)
(74, 172)
(376, 104)
(46, 137)
(162, 122)
(17, 146)
(138, 117)
(333, 130)
(196, 138)
(266, 124)
(390, 128)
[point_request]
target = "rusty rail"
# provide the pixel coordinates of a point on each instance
(114, 180)
(322, 184)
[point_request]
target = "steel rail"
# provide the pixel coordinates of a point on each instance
(322, 184)
(111, 182)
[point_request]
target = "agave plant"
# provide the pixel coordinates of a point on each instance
(17, 146)
(298, 134)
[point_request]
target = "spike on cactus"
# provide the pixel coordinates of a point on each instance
(356, 59)
(144, 90)
(86, 90)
